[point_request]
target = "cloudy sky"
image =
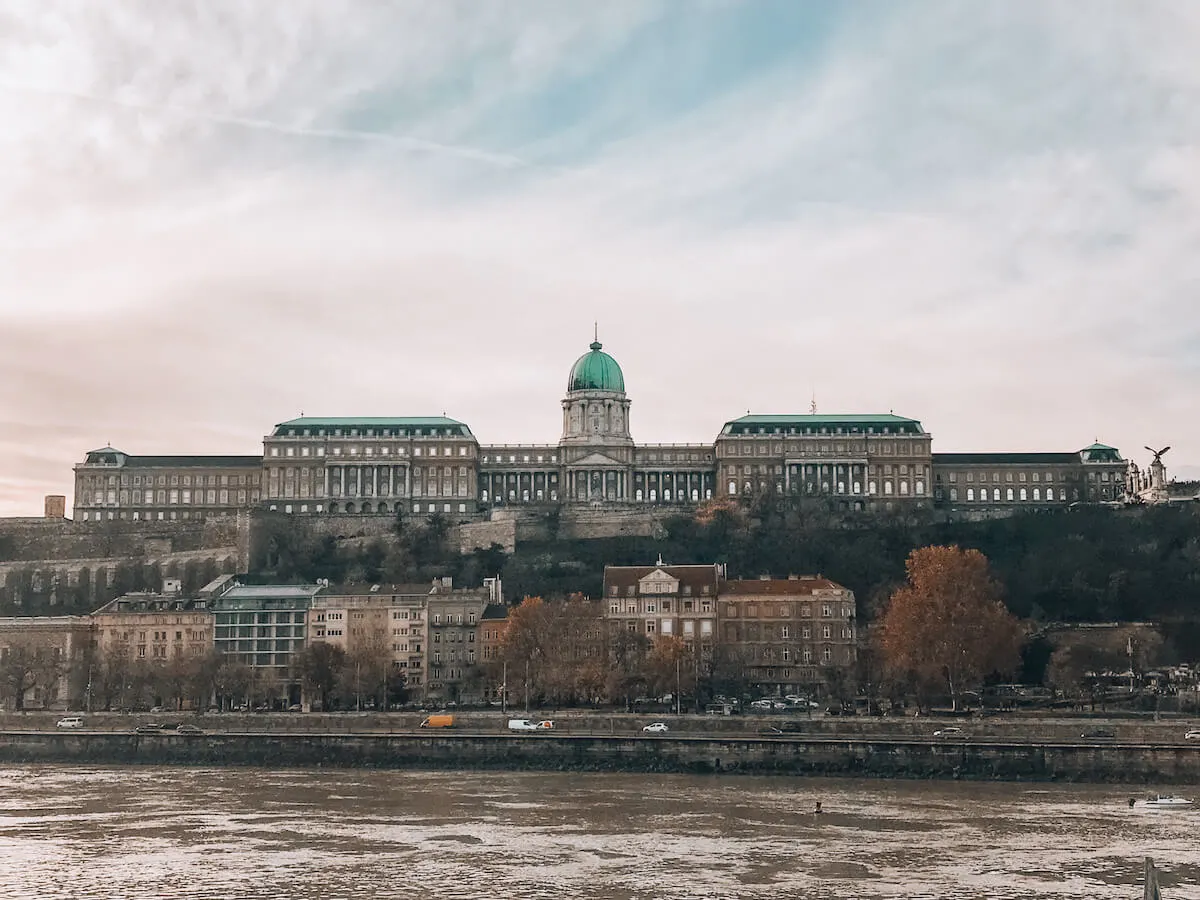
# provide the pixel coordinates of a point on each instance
(217, 215)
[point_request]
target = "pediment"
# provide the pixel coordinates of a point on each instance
(593, 460)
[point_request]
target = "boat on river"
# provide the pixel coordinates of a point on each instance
(1167, 801)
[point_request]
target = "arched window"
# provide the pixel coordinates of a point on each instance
(887, 488)
(1008, 494)
(1024, 494)
(638, 493)
(996, 495)
(953, 494)
(872, 488)
(1037, 493)
(970, 494)
(483, 497)
(1049, 493)
(920, 488)
(841, 487)
(904, 488)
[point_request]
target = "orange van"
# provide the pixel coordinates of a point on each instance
(438, 722)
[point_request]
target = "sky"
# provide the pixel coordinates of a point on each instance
(219, 215)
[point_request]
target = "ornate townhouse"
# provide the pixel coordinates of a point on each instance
(154, 627)
(367, 465)
(786, 635)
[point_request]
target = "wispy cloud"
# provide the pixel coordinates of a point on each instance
(984, 218)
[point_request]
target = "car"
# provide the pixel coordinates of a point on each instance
(522, 725)
(1193, 735)
(1098, 734)
(760, 704)
(148, 728)
(950, 731)
(656, 728)
(545, 725)
(295, 707)
(156, 709)
(70, 722)
(188, 729)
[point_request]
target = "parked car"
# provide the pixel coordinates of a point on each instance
(545, 725)
(1098, 734)
(295, 707)
(1193, 735)
(70, 722)
(188, 729)
(950, 731)
(656, 728)
(148, 728)
(760, 704)
(522, 725)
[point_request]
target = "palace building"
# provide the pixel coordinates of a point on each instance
(368, 465)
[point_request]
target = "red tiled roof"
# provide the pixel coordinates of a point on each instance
(777, 586)
(629, 576)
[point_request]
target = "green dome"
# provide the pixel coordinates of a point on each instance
(596, 371)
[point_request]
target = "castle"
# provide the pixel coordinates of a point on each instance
(361, 465)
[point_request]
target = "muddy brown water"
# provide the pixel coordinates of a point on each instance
(90, 832)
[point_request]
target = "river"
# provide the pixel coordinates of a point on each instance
(87, 832)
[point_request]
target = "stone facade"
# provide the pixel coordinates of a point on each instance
(318, 466)
(112, 485)
(387, 618)
(154, 627)
(1095, 474)
(791, 635)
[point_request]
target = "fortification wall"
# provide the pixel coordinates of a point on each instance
(36, 540)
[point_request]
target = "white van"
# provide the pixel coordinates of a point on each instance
(522, 725)
(70, 722)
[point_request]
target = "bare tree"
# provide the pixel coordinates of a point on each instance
(30, 664)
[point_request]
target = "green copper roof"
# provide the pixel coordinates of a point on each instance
(1098, 452)
(409, 424)
(813, 423)
(596, 371)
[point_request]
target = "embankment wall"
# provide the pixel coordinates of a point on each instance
(776, 755)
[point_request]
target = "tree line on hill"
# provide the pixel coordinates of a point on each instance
(1086, 564)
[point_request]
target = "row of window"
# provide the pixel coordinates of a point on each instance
(1010, 495)
(667, 627)
(445, 431)
(783, 610)
(99, 481)
(827, 633)
(890, 488)
(143, 515)
(353, 450)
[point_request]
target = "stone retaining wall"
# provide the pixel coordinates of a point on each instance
(749, 755)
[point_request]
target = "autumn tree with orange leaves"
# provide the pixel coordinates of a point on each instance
(947, 624)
